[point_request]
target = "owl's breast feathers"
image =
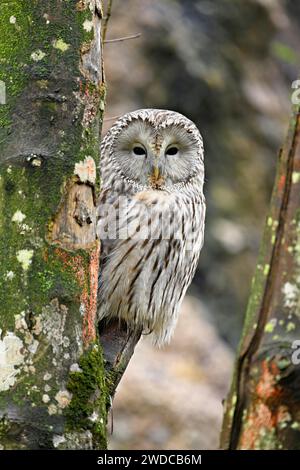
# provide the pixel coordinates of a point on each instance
(148, 266)
(152, 197)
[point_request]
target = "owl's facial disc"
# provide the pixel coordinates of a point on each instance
(154, 155)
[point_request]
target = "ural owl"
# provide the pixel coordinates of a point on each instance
(151, 218)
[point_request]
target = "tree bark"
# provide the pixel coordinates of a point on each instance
(53, 390)
(263, 407)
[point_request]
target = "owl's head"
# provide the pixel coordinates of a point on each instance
(154, 148)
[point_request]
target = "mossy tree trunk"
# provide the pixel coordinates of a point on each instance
(52, 383)
(263, 406)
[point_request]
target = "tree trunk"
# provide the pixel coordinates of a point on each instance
(263, 406)
(53, 392)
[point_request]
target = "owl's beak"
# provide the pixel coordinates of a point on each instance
(156, 178)
(156, 173)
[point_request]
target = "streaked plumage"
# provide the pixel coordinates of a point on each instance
(153, 206)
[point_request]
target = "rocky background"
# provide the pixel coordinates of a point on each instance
(229, 66)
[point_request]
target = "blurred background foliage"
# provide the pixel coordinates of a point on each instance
(228, 65)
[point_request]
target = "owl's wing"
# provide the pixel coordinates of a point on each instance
(129, 229)
(106, 199)
(118, 217)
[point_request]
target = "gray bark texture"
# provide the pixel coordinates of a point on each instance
(263, 406)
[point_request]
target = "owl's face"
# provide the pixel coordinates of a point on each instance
(156, 148)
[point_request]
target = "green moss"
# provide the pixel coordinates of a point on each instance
(285, 53)
(89, 394)
(14, 46)
(267, 440)
(37, 193)
(4, 426)
(51, 277)
(112, 378)
(30, 33)
(47, 275)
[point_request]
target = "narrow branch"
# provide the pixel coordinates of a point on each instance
(118, 343)
(125, 38)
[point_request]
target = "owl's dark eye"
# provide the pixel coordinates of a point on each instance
(172, 150)
(139, 150)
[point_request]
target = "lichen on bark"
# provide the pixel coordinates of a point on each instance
(264, 413)
(51, 64)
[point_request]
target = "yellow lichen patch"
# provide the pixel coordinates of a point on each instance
(61, 45)
(296, 177)
(38, 55)
(270, 325)
(266, 269)
(88, 25)
(52, 409)
(290, 326)
(25, 258)
(18, 217)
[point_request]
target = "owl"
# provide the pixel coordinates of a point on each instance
(151, 219)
